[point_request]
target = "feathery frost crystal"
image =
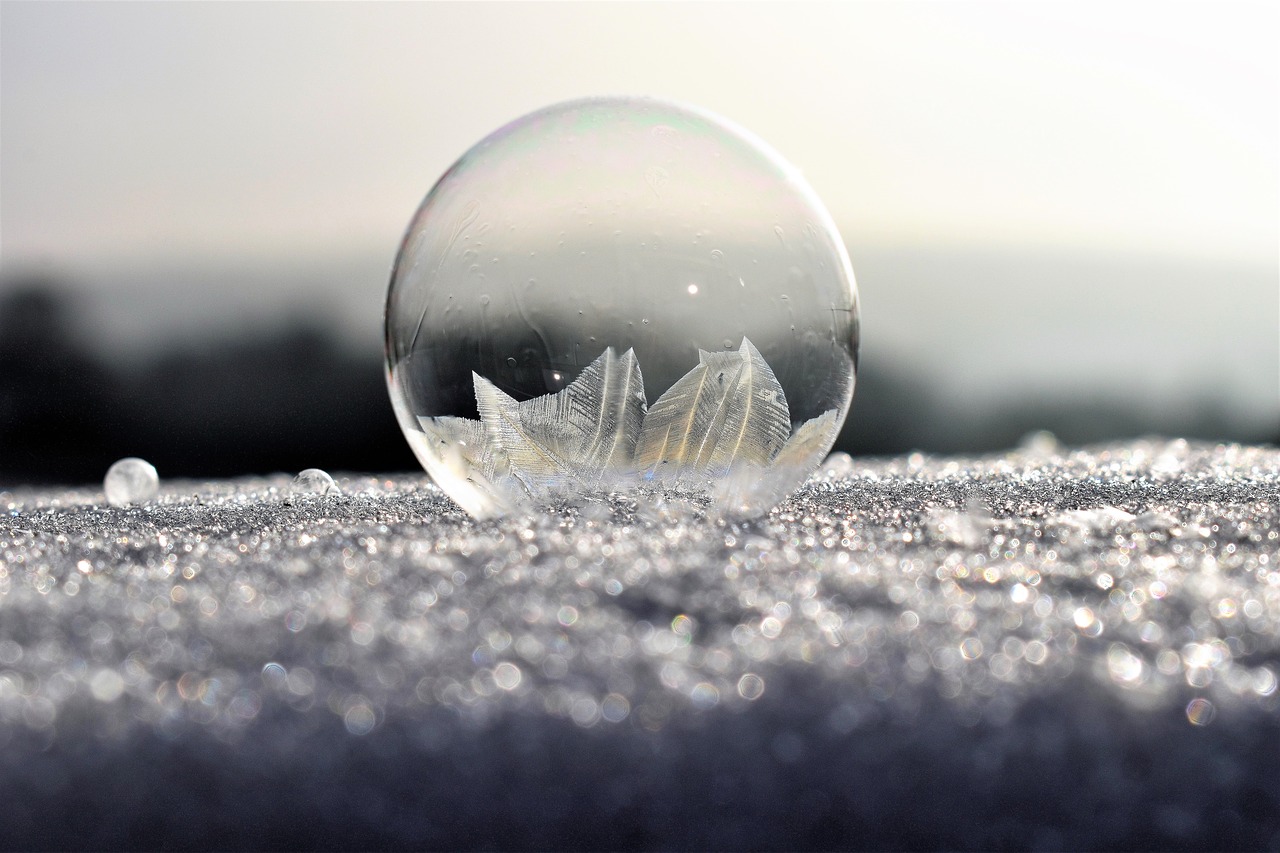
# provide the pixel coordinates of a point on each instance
(621, 294)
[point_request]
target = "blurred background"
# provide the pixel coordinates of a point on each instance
(1062, 216)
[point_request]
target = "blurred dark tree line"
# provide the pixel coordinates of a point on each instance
(298, 397)
(226, 406)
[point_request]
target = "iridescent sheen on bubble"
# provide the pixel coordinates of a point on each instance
(621, 294)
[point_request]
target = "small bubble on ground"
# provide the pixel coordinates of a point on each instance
(314, 481)
(129, 481)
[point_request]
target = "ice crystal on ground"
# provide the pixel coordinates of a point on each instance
(1075, 649)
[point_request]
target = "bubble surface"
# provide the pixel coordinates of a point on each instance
(130, 481)
(612, 292)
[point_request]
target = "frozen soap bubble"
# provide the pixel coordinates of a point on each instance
(130, 481)
(621, 294)
(314, 481)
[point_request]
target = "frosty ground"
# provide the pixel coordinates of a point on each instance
(1051, 648)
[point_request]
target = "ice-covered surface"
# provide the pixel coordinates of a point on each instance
(1052, 649)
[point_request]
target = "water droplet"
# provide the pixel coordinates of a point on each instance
(130, 481)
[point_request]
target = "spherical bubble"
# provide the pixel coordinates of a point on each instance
(129, 481)
(314, 481)
(621, 294)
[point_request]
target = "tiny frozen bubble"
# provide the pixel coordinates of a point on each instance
(314, 481)
(621, 294)
(130, 481)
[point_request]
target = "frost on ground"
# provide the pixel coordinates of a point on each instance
(1052, 649)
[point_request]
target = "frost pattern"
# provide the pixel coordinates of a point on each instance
(724, 427)
(728, 410)
(578, 435)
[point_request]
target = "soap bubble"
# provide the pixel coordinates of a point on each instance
(130, 481)
(314, 481)
(621, 294)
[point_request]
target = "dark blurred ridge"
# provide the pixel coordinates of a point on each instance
(298, 397)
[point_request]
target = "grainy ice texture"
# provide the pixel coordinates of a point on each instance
(1049, 649)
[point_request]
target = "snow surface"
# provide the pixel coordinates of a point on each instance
(1049, 649)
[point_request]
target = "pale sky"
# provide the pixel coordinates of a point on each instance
(1035, 195)
(131, 130)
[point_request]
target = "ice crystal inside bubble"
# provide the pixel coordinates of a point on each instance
(621, 295)
(129, 481)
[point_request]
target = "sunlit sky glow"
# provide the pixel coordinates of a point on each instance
(140, 129)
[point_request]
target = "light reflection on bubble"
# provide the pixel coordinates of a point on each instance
(507, 676)
(1036, 652)
(359, 718)
(615, 708)
(750, 686)
(704, 696)
(1264, 681)
(1199, 677)
(245, 705)
(1124, 666)
(274, 674)
(585, 712)
(1200, 712)
(106, 685)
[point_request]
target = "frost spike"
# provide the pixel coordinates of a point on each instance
(532, 463)
(579, 435)
(757, 422)
(680, 424)
(619, 412)
(461, 455)
(810, 445)
(750, 489)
